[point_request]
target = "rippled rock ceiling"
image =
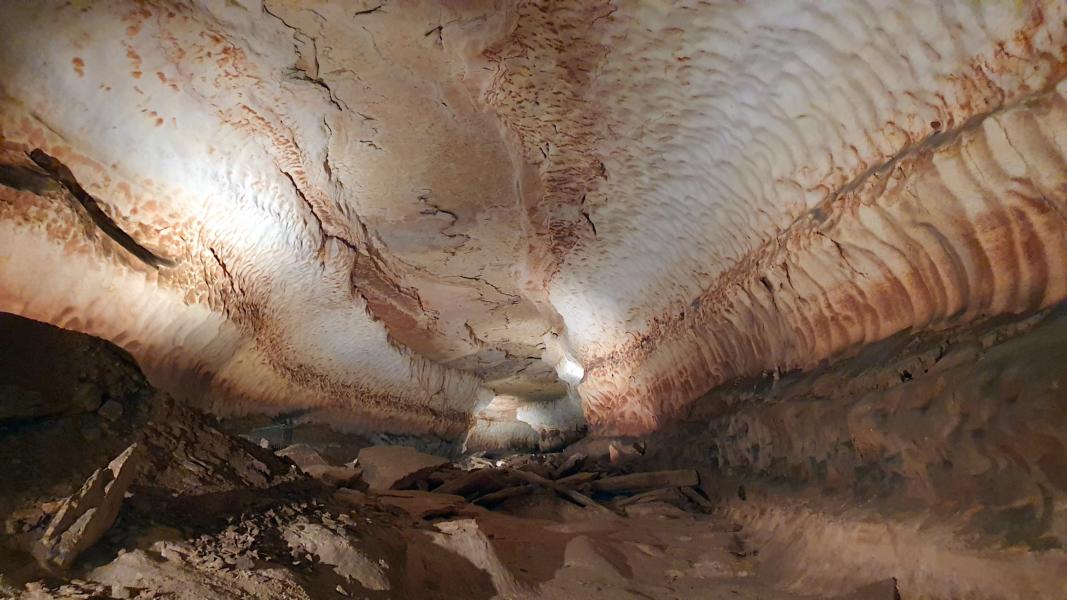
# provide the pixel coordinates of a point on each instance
(397, 215)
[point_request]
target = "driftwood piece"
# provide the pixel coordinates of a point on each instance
(423, 505)
(697, 498)
(661, 494)
(474, 483)
(569, 465)
(540, 469)
(494, 498)
(566, 492)
(578, 479)
(480, 463)
(638, 482)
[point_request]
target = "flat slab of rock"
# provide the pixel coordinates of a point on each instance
(383, 466)
(313, 464)
(303, 455)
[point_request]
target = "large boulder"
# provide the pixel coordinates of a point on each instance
(384, 466)
(336, 549)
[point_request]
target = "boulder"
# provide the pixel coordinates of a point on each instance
(384, 466)
(336, 550)
(85, 517)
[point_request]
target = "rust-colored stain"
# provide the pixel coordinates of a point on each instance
(79, 66)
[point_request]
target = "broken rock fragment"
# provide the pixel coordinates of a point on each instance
(86, 516)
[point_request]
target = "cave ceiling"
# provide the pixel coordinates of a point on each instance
(396, 214)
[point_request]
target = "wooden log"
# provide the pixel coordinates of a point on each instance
(697, 498)
(638, 482)
(477, 482)
(661, 494)
(542, 470)
(568, 465)
(482, 462)
(494, 498)
(578, 479)
(566, 492)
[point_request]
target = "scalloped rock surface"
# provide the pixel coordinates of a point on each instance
(384, 215)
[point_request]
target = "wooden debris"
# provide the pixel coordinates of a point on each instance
(566, 492)
(482, 462)
(661, 494)
(645, 481)
(423, 505)
(879, 590)
(697, 498)
(474, 483)
(578, 479)
(428, 479)
(568, 465)
(539, 469)
(494, 498)
(657, 509)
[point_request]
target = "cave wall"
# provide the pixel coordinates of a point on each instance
(803, 179)
(938, 459)
(268, 164)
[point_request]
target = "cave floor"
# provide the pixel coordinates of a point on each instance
(308, 541)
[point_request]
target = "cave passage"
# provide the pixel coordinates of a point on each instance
(533, 299)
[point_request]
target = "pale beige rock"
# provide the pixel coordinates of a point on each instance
(303, 455)
(86, 516)
(337, 550)
(464, 537)
(383, 466)
(313, 464)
